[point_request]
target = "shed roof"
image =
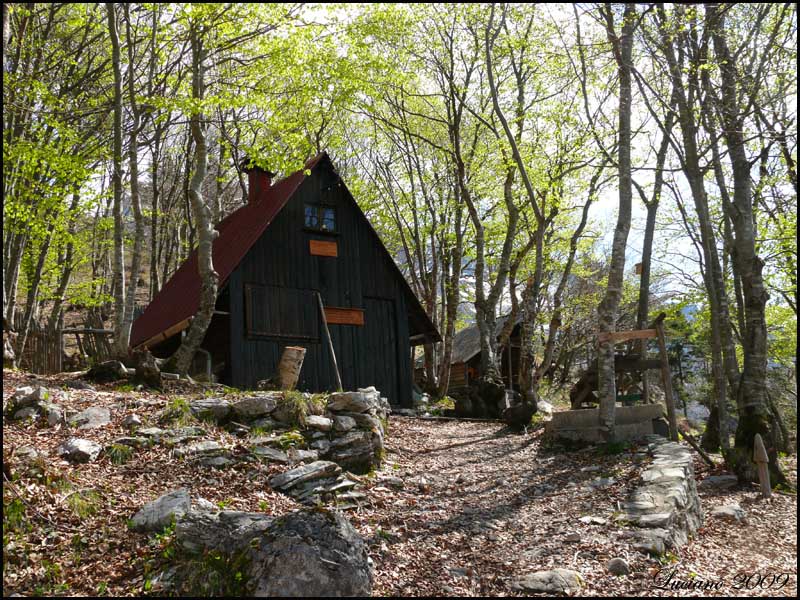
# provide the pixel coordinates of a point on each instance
(467, 342)
(179, 299)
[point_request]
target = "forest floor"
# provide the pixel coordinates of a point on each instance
(479, 507)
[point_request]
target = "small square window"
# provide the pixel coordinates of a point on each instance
(321, 218)
(312, 218)
(328, 218)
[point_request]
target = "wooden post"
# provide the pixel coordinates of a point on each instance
(290, 365)
(667, 377)
(330, 343)
(762, 460)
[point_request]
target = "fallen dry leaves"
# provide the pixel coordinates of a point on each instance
(478, 507)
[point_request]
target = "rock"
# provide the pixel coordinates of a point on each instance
(52, 412)
(354, 451)
(255, 406)
(208, 529)
(152, 432)
(544, 407)
(216, 409)
(271, 454)
(79, 450)
(310, 553)
(593, 520)
(296, 455)
(364, 421)
(602, 482)
(215, 462)
(79, 384)
(299, 475)
(29, 412)
(557, 581)
(203, 505)
(319, 423)
(147, 371)
(204, 448)
(132, 421)
(93, 417)
(133, 442)
(104, 372)
(358, 402)
(394, 482)
(718, 482)
(618, 566)
(322, 446)
(27, 453)
(265, 423)
(158, 514)
(343, 424)
(730, 512)
(572, 538)
(519, 416)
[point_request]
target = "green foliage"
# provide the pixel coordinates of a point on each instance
(120, 453)
(14, 515)
(177, 412)
(83, 503)
(291, 439)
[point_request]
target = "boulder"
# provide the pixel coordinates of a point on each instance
(79, 450)
(29, 412)
(203, 448)
(265, 423)
(310, 553)
(52, 412)
(158, 514)
(297, 455)
(216, 409)
(254, 407)
(354, 451)
(104, 372)
(271, 454)
(93, 417)
(557, 581)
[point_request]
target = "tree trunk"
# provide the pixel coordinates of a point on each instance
(609, 306)
(182, 358)
(751, 395)
(120, 339)
(289, 366)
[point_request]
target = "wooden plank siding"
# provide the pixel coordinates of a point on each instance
(358, 278)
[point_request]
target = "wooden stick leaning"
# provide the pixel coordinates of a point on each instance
(330, 342)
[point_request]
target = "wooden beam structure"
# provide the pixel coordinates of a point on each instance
(666, 375)
(623, 336)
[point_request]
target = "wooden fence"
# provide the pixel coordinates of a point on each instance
(44, 351)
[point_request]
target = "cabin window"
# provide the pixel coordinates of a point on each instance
(320, 217)
(280, 312)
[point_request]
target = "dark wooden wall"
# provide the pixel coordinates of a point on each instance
(361, 276)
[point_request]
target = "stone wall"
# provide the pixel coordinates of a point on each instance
(664, 511)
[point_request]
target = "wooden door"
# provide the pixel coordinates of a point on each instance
(378, 348)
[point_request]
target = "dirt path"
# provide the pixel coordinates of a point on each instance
(481, 506)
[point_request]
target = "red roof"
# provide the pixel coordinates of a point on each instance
(179, 299)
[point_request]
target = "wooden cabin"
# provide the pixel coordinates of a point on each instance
(296, 239)
(466, 358)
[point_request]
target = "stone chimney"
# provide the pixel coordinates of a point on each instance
(258, 181)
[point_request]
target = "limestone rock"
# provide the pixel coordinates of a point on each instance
(297, 455)
(216, 409)
(310, 553)
(343, 424)
(110, 370)
(352, 401)
(132, 421)
(271, 454)
(204, 448)
(318, 423)
(299, 475)
(156, 515)
(29, 412)
(618, 566)
(254, 407)
(79, 450)
(93, 417)
(557, 581)
(52, 412)
(719, 482)
(730, 512)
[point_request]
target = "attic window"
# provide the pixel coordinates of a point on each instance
(320, 217)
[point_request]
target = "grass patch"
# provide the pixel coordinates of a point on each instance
(83, 503)
(177, 412)
(295, 406)
(291, 439)
(120, 453)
